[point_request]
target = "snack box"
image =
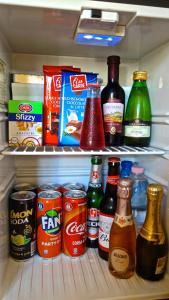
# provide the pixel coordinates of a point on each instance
(25, 123)
(52, 87)
(73, 101)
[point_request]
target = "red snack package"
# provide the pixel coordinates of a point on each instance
(52, 87)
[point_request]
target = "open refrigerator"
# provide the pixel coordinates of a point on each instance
(33, 33)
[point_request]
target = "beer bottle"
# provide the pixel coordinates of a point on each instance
(123, 234)
(95, 195)
(113, 99)
(151, 246)
(108, 206)
(137, 121)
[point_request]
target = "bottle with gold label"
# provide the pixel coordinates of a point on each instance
(151, 246)
(123, 234)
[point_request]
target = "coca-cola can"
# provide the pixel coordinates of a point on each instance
(74, 223)
(72, 186)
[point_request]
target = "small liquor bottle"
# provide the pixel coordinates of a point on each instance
(152, 247)
(123, 235)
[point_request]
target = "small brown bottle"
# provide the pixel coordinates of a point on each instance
(123, 234)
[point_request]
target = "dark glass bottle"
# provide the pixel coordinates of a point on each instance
(137, 124)
(122, 250)
(151, 246)
(113, 100)
(95, 195)
(108, 206)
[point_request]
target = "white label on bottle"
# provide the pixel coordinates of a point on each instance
(105, 223)
(119, 260)
(137, 131)
(93, 223)
(160, 266)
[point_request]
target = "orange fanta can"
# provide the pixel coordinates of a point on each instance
(49, 221)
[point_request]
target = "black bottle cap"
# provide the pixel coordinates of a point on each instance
(113, 60)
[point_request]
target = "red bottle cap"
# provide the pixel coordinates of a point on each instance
(114, 159)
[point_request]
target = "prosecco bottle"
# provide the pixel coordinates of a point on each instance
(113, 100)
(122, 248)
(137, 121)
(151, 247)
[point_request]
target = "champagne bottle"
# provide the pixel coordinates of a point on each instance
(95, 195)
(137, 121)
(113, 100)
(151, 247)
(123, 234)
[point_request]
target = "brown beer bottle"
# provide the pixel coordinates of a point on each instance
(123, 234)
(108, 206)
(113, 100)
(151, 249)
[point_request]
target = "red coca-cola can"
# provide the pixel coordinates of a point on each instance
(74, 223)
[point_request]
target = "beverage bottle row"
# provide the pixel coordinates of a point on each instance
(105, 120)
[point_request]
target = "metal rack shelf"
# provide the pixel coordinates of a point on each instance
(55, 150)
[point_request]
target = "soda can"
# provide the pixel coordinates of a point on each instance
(72, 186)
(25, 187)
(49, 219)
(22, 226)
(50, 186)
(74, 223)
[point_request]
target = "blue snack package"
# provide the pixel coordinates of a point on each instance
(72, 105)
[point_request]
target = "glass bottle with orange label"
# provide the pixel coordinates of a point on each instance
(108, 206)
(123, 234)
(95, 195)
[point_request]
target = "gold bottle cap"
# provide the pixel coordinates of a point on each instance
(155, 189)
(140, 75)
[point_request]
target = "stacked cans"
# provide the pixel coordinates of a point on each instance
(55, 219)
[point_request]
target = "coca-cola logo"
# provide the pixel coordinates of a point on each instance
(57, 79)
(25, 107)
(75, 228)
(78, 82)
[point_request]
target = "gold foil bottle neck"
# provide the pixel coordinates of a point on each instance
(155, 190)
(140, 75)
(124, 189)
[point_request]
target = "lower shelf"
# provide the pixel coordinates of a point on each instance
(86, 277)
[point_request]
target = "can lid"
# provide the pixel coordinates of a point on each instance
(154, 188)
(140, 75)
(74, 186)
(49, 194)
(24, 186)
(113, 159)
(113, 59)
(49, 186)
(23, 195)
(75, 194)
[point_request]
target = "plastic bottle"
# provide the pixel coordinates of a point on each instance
(139, 197)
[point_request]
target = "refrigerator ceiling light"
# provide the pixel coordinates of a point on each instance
(99, 28)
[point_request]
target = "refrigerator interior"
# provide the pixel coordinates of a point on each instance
(33, 36)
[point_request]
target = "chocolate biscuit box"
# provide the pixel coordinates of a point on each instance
(73, 101)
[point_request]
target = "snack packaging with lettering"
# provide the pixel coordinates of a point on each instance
(73, 101)
(25, 123)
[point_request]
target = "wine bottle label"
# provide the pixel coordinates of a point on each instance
(160, 266)
(119, 259)
(137, 129)
(93, 223)
(114, 180)
(95, 175)
(105, 223)
(113, 116)
(123, 221)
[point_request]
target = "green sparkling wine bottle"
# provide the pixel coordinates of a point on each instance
(137, 121)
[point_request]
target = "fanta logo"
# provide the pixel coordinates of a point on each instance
(51, 222)
(75, 228)
(57, 82)
(25, 107)
(78, 82)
